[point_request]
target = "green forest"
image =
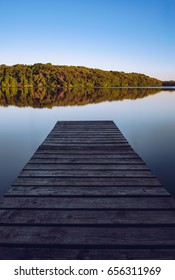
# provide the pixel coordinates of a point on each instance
(48, 75)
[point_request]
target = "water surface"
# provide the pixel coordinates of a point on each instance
(145, 117)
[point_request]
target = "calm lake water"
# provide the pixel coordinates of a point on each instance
(148, 123)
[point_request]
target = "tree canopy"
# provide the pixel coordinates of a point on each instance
(168, 83)
(48, 75)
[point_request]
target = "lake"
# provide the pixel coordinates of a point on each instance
(146, 117)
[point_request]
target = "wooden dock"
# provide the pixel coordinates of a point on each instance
(85, 194)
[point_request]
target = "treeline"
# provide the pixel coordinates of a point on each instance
(168, 83)
(47, 98)
(48, 75)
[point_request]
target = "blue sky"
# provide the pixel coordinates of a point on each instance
(123, 35)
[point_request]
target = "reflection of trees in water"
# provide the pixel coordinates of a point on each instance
(47, 98)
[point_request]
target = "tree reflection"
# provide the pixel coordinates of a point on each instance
(48, 98)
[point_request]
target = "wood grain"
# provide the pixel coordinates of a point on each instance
(86, 194)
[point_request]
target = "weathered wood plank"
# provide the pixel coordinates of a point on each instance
(86, 191)
(71, 126)
(86, 130)
(89, 146)
(102, 135)
(85, 138)
(84, 151)
(45, 181)
(93, 122)
(86, 141)
(74, 124)
(48, 166)
(69, 217)
(86, 203)
(87, 160)
(33, 253)
(89, 134)
(86, 173)
(76, 155)
(86, 236)
(99, 135)
(85, 124)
